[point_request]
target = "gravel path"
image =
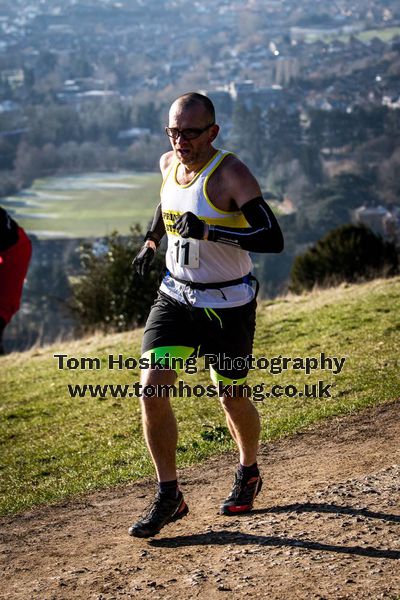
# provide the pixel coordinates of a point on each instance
(326, 526)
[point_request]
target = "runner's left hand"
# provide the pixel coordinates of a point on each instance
(190, 226)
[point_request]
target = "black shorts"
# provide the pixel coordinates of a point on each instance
(226, 333)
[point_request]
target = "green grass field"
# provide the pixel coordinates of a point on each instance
(54, 446)
(385, 35)
(90, 205)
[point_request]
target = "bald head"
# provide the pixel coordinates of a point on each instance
(194, 100)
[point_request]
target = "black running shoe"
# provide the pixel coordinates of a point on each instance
(162, 511)
(241, 498)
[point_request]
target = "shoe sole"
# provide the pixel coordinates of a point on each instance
(241, 509)
(146, 533)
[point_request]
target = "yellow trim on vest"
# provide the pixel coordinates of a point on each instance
(166, 177)
(228, 218)
(222, 212)
(197, 174)
(234, 220)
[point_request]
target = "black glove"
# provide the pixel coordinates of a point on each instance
(188, 225)
(143, 260)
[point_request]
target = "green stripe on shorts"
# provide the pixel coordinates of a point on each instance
(216, 377)
(174, 352)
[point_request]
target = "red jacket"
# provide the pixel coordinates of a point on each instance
(14, 264)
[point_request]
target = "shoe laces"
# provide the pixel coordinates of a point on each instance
(159, 506)
(237, 486)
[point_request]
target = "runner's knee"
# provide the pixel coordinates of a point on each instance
(231, 403)
(156, 377)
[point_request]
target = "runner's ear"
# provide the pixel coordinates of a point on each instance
(214, 131)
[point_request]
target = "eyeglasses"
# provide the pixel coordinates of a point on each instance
(187, 134)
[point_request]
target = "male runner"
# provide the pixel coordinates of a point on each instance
(213, 213)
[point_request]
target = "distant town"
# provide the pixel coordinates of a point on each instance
(228, 48)
(307, 93)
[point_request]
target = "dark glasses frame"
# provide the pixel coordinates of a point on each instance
(187, 134)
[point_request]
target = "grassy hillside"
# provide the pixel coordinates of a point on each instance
(54, 446)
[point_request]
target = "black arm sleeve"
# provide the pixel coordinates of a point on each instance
(157, 229)
(263, 235)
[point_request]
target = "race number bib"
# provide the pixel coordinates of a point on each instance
(186, 253)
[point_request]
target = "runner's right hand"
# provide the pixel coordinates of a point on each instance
(143, 260)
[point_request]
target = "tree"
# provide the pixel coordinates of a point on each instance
(311, 163)
(148, 116)
(348, 253)
(248, 134)
(109, 295)
(389, 182)
(284, 135)
(27, 164)
(8, 184)
(105, 118)
(330, 205)
(53, 124)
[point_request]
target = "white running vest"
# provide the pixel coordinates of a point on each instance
(200, 260)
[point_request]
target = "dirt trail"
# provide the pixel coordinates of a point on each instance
(326, 526)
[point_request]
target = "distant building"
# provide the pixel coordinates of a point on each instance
(391, 102)
(248, 94)
(240, 88)
(135, 133)
(14, 77)
(286, 69)
(9, 106)
(222, 100)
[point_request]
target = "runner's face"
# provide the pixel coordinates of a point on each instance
(191, 153)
